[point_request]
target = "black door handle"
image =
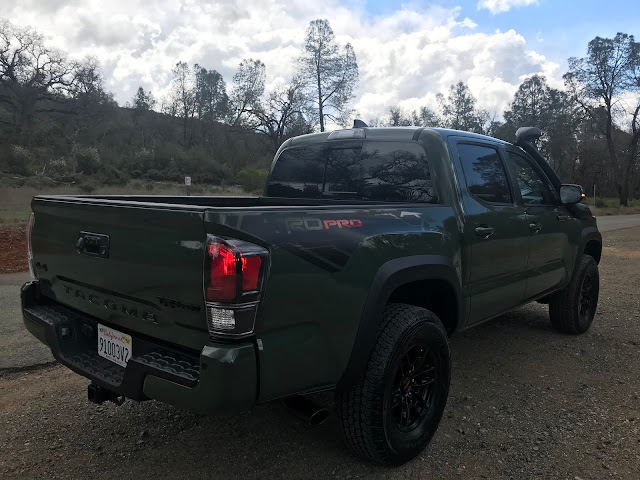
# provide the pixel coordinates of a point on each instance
(484, 232)
(536, 227)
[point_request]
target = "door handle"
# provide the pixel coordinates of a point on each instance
(536, 227)
(484, 232)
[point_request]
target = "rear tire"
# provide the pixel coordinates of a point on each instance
(393, 409)
(572, 310)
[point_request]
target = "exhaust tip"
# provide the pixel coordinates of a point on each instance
(319, 417)
(306, 410)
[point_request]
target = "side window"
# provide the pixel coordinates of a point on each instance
(534, 188)
(484, 172)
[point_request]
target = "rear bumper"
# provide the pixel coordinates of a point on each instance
(221, 377)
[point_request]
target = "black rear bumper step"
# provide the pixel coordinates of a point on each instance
(72, 337)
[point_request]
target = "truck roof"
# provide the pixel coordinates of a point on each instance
(391, 133)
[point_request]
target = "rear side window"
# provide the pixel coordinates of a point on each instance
(484, 173)
(376, 171)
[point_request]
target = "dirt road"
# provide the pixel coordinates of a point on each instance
(525, 402)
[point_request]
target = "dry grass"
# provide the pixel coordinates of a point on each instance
(611, 206)
(15, 202)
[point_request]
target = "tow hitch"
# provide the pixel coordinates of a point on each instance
(98, 394)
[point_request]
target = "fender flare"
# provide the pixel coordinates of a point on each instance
(588, 234)
(390, 276)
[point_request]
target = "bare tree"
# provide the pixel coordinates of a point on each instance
(33, 77)
(596, 82)
(182, 98)
(247, 91)
(331, 73)
(91, 104)
(284, 113)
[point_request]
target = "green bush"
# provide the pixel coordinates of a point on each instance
(600, 203)
(156, 175)
(252, 180)
(87, 160)
(111, 176)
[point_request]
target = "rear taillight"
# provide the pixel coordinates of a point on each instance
(234, 273)
(32, 220)
(223, 272)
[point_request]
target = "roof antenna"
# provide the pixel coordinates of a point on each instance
(359, 124)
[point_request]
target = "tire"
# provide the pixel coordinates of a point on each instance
(389, 414)
(572, 310)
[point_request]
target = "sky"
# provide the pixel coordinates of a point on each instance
(407, 51)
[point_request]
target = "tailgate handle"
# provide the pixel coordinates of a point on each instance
(93, 244)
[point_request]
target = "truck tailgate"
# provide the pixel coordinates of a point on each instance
(135, 268)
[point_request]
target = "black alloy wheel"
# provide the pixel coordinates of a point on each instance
(412, 394)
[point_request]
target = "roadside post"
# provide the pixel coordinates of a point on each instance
(187, 185)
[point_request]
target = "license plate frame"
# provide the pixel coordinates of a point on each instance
(114, 345)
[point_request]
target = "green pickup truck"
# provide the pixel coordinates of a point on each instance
(369, 248)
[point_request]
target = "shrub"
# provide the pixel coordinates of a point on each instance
(156, 175)
(252, 180)
(58, 167)
(112, 176)
(87, 187)
(87, 160)
(20, 159)
(600, 203)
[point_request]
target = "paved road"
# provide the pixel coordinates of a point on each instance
(18, 349)
(616, 222)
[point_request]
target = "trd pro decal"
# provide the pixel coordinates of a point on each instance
(297, 224)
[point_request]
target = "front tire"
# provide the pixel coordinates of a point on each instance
(572, 310)
(391, 412)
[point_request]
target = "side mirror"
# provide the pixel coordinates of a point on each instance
(570, 194)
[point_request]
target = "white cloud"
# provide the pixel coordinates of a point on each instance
(404, 58)
(501, 6)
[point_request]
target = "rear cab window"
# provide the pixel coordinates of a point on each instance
(368, 171)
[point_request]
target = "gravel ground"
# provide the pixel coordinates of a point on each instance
(525, 402)
(13, 249)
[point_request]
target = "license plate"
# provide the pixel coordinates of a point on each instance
(114, 345)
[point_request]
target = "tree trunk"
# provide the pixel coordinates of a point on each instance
(320, 109)
(623, 194)
(622, 184)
